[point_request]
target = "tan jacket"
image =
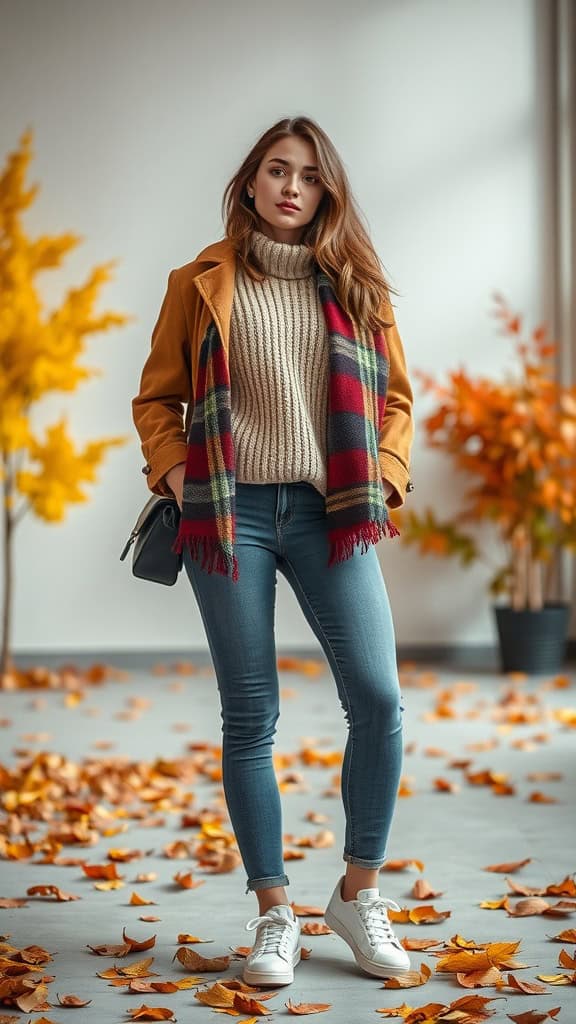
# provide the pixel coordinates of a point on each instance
(202, 291)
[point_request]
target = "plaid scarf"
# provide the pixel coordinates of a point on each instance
(356, 511)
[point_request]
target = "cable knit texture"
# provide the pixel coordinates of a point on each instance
(279, 369)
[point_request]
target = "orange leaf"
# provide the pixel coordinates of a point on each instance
(534, 1016)
(186, 937)
(33, 954)
(446, 785)
(479, 979)
(139, 969)
(71, 1000)
(410, 979)
(302, 910)
(541, 798)
(108, 871)
(501, 904)
(422, 890)
(307, 1007)
(32, 1000)
(566, 887)
(185, 880)
(565, 960)
(428, 915)
(248, 1005)
(51, 890)
(315, 928)
(216, 995)
(528, 907)
(139, 901)
(194, 961)
(141, 985)
(136, 945)
(218, 862)
(401, 916)
(402, 865)
(124, 854)
(189, 982)
(531, 988)
(316, 817)
(499, 954)
(562, 907)
(524, 890)
(459, 942)
(151, 1013)
(419, 944)
(566, 936)
(426, 1014)
(119, 949)
(405, 789)
(177, 849)
(472, 1005)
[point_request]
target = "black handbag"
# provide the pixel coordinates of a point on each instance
(153, 535)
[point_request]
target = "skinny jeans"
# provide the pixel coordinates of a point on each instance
(283, 527)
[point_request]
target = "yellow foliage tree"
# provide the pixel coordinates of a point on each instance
(39, 352)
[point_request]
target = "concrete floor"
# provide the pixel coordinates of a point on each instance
(454, 834)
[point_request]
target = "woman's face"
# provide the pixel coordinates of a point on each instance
(287, 173)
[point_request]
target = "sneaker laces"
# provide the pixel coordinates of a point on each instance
(272, 935)
(374, 915)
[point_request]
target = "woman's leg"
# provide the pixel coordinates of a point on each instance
(347, 607)
(238, 619)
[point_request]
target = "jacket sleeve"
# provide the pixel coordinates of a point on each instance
(397, 431)
(165, 385)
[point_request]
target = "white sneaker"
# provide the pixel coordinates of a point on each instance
(276, 948)
(364, 924)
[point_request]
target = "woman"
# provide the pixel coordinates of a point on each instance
(281, 341)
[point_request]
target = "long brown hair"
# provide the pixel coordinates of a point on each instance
(336, 235)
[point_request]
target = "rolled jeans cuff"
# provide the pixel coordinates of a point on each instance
(266, 883)
(362, 862)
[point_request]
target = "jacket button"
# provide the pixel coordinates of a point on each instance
(146, 469)
(409, 486)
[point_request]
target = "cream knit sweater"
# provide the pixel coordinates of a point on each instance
(279, 369)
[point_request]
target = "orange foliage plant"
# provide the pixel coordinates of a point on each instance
(515, 442)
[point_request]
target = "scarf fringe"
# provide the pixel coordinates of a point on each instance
(342, 547)
(214, 558)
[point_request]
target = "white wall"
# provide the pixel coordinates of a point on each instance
(141, 112)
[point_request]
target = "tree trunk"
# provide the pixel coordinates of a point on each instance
(535, 599)
(520, 569)
(6, 664)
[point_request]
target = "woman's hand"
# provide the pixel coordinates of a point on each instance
(175, 480)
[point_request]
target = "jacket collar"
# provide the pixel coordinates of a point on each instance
(215, 282)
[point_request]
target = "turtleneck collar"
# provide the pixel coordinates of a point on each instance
(282, 259)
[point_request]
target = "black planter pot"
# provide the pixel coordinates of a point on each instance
(532, 641)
